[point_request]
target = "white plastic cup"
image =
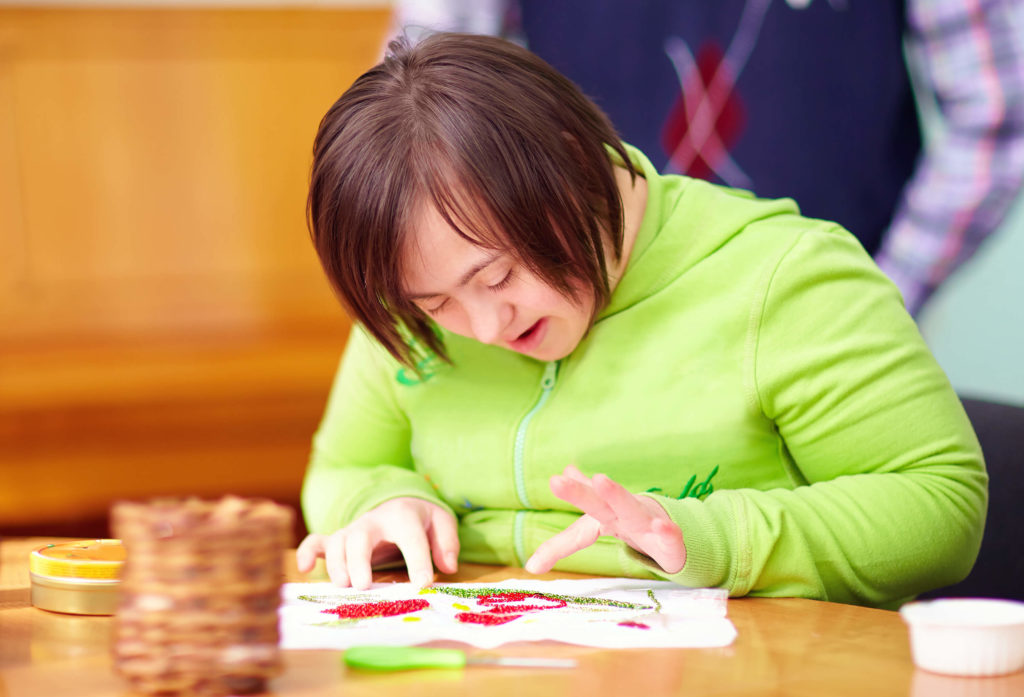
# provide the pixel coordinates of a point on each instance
(966, 636)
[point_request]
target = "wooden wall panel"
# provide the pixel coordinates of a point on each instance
(164, 324)
(160, 162)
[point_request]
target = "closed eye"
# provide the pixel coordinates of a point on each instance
(436, 310)
(503, 283)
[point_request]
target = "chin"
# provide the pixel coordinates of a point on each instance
(550, 354)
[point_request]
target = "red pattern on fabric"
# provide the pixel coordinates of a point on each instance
(485, 619)
(502, 602)
(507, 606)
(388, 608)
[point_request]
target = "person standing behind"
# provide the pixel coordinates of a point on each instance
(802, 99)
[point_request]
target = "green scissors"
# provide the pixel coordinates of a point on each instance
(391, 658)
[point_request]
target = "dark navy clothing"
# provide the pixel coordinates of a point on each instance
(814, 103)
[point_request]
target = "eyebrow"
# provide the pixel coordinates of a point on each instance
(466, 277)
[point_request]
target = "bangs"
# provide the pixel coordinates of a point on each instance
(459, 198)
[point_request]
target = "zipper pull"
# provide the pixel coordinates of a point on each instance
(550, 372)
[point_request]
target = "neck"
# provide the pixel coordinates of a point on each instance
(634, 202)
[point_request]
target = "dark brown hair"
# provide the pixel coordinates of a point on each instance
(511, 153)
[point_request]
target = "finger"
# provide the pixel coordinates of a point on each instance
(629, 511)
(358, 550)
(309, 550)
(670, 550)
(660, 539)
(444, 540)
(582, 533)
(334, 559)
(573, 472)
(411, 538)
(582, 496)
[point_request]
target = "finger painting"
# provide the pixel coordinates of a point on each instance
(607, 612)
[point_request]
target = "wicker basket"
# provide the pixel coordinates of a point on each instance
(200, 591)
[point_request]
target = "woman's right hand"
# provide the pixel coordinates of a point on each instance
(414, 528)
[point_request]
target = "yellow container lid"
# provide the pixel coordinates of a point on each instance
(81, 578)
(84, 559)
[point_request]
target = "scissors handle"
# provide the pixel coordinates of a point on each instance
(390, 658)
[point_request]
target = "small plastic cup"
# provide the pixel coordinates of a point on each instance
(966, 636)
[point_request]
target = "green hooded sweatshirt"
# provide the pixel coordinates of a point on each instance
(753, 372)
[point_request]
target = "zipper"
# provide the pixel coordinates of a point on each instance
(547, 383)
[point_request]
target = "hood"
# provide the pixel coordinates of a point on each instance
(705, 217)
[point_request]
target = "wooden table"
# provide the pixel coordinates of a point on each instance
(784, 647)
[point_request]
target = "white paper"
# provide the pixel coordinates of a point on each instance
(602, 612)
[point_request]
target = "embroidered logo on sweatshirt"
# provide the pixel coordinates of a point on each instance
(690, 491)
(426, 366)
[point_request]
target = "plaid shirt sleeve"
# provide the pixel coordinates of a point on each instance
(972, 59)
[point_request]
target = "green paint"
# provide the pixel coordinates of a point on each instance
(336, 599)
(573, 599)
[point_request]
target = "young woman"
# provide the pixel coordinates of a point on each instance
(563, 359)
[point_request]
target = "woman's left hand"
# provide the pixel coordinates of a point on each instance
(608, 509)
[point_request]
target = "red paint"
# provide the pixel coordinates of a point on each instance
(485, 619)
(501, 608)
(382, 609)
(502, 602)
(638, 625)
(507, 606)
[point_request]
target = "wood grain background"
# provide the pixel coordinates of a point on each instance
(164, 326)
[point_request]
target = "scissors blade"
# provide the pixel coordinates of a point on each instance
(522, 662)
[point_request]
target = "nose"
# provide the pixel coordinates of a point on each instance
(487, 320)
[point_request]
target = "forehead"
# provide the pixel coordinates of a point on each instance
(434, 256)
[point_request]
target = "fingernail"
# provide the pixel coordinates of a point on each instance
(423, 580)
(451, 560)
(531, 566)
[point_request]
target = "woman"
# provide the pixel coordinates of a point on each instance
(563, 358)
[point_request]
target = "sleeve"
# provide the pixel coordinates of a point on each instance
(970, 64)
(361, 453)
(891, 489)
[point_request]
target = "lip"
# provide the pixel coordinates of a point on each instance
(531, 338)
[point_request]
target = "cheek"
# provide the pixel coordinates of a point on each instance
(455, 321)
(535, 297)
(539, 297)
(575, 311)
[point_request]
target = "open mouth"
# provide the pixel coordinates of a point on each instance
(531, 337)
(529, 332)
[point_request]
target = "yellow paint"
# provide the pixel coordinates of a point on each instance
(459, 606)
(410, 619)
